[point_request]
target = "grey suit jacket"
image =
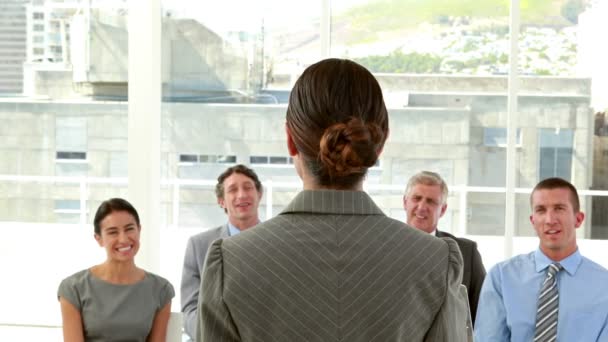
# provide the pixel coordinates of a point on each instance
(473, 272)
(194, 260)
(332, 267)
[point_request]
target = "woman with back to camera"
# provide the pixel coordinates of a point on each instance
(332, 266)
(115, 300)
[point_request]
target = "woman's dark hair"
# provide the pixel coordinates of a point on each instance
(338, 121)
(109, 206)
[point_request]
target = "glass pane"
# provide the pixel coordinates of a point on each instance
(442, 67)
(599, 217)
(63, 134)
(455, 37)
(226, 78)
(591, 28)
(198, 207)
(562, 101)
(487, 216)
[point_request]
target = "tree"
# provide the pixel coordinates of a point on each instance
(398, 62)
(571, 9)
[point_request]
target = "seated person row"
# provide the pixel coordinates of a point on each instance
(424, 201)
(423, 187)
(513, 315)
(238, 187)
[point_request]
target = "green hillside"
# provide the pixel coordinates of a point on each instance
(388, 15)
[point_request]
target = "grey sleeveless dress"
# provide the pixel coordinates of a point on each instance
(113, 312)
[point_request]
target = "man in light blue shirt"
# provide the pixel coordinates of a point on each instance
(508, 302)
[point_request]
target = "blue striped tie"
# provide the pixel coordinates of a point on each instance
(547, 307)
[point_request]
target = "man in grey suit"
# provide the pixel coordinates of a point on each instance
(238, 191)
(425, 203)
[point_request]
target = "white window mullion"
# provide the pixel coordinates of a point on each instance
(512, 116)
(144, 125)
(325, 28)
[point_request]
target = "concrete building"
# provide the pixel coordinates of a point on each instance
(455, 125)
(48, 30)
(458, 124)
(13, 45)
(458, 132)
(49, 23)
(600, 176)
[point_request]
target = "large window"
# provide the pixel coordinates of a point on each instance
(557, 102)
(226, 78)
(442, 67)
(63, 143)
(226, 71)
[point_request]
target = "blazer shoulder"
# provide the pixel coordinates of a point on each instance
(454, 252)
(462, 242)
(211, 234)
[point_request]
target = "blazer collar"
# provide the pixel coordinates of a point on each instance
(439, 233)
(333, 202)
(570, 263)
(224, 231)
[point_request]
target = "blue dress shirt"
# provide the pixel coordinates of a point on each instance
(232, 230)
(507, 303)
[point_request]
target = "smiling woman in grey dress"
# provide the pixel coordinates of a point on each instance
(116, 300)
(331, 266)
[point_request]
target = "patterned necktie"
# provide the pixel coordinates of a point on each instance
(547, 308)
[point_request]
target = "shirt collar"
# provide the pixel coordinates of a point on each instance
(232, 230)
(570, 264)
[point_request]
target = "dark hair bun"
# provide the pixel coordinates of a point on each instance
(338, 122)
(349, 148)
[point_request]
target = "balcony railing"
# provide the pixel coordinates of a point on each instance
(83, 183)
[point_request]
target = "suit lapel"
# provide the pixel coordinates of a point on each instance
(224, 231)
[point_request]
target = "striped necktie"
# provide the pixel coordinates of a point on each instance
(547, 308)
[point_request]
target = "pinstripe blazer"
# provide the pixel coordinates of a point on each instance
(332, 267)
(473, 270)
(194, 260)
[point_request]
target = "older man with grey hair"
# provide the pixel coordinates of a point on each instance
(425, 202)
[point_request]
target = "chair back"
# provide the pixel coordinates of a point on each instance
(469, 326)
